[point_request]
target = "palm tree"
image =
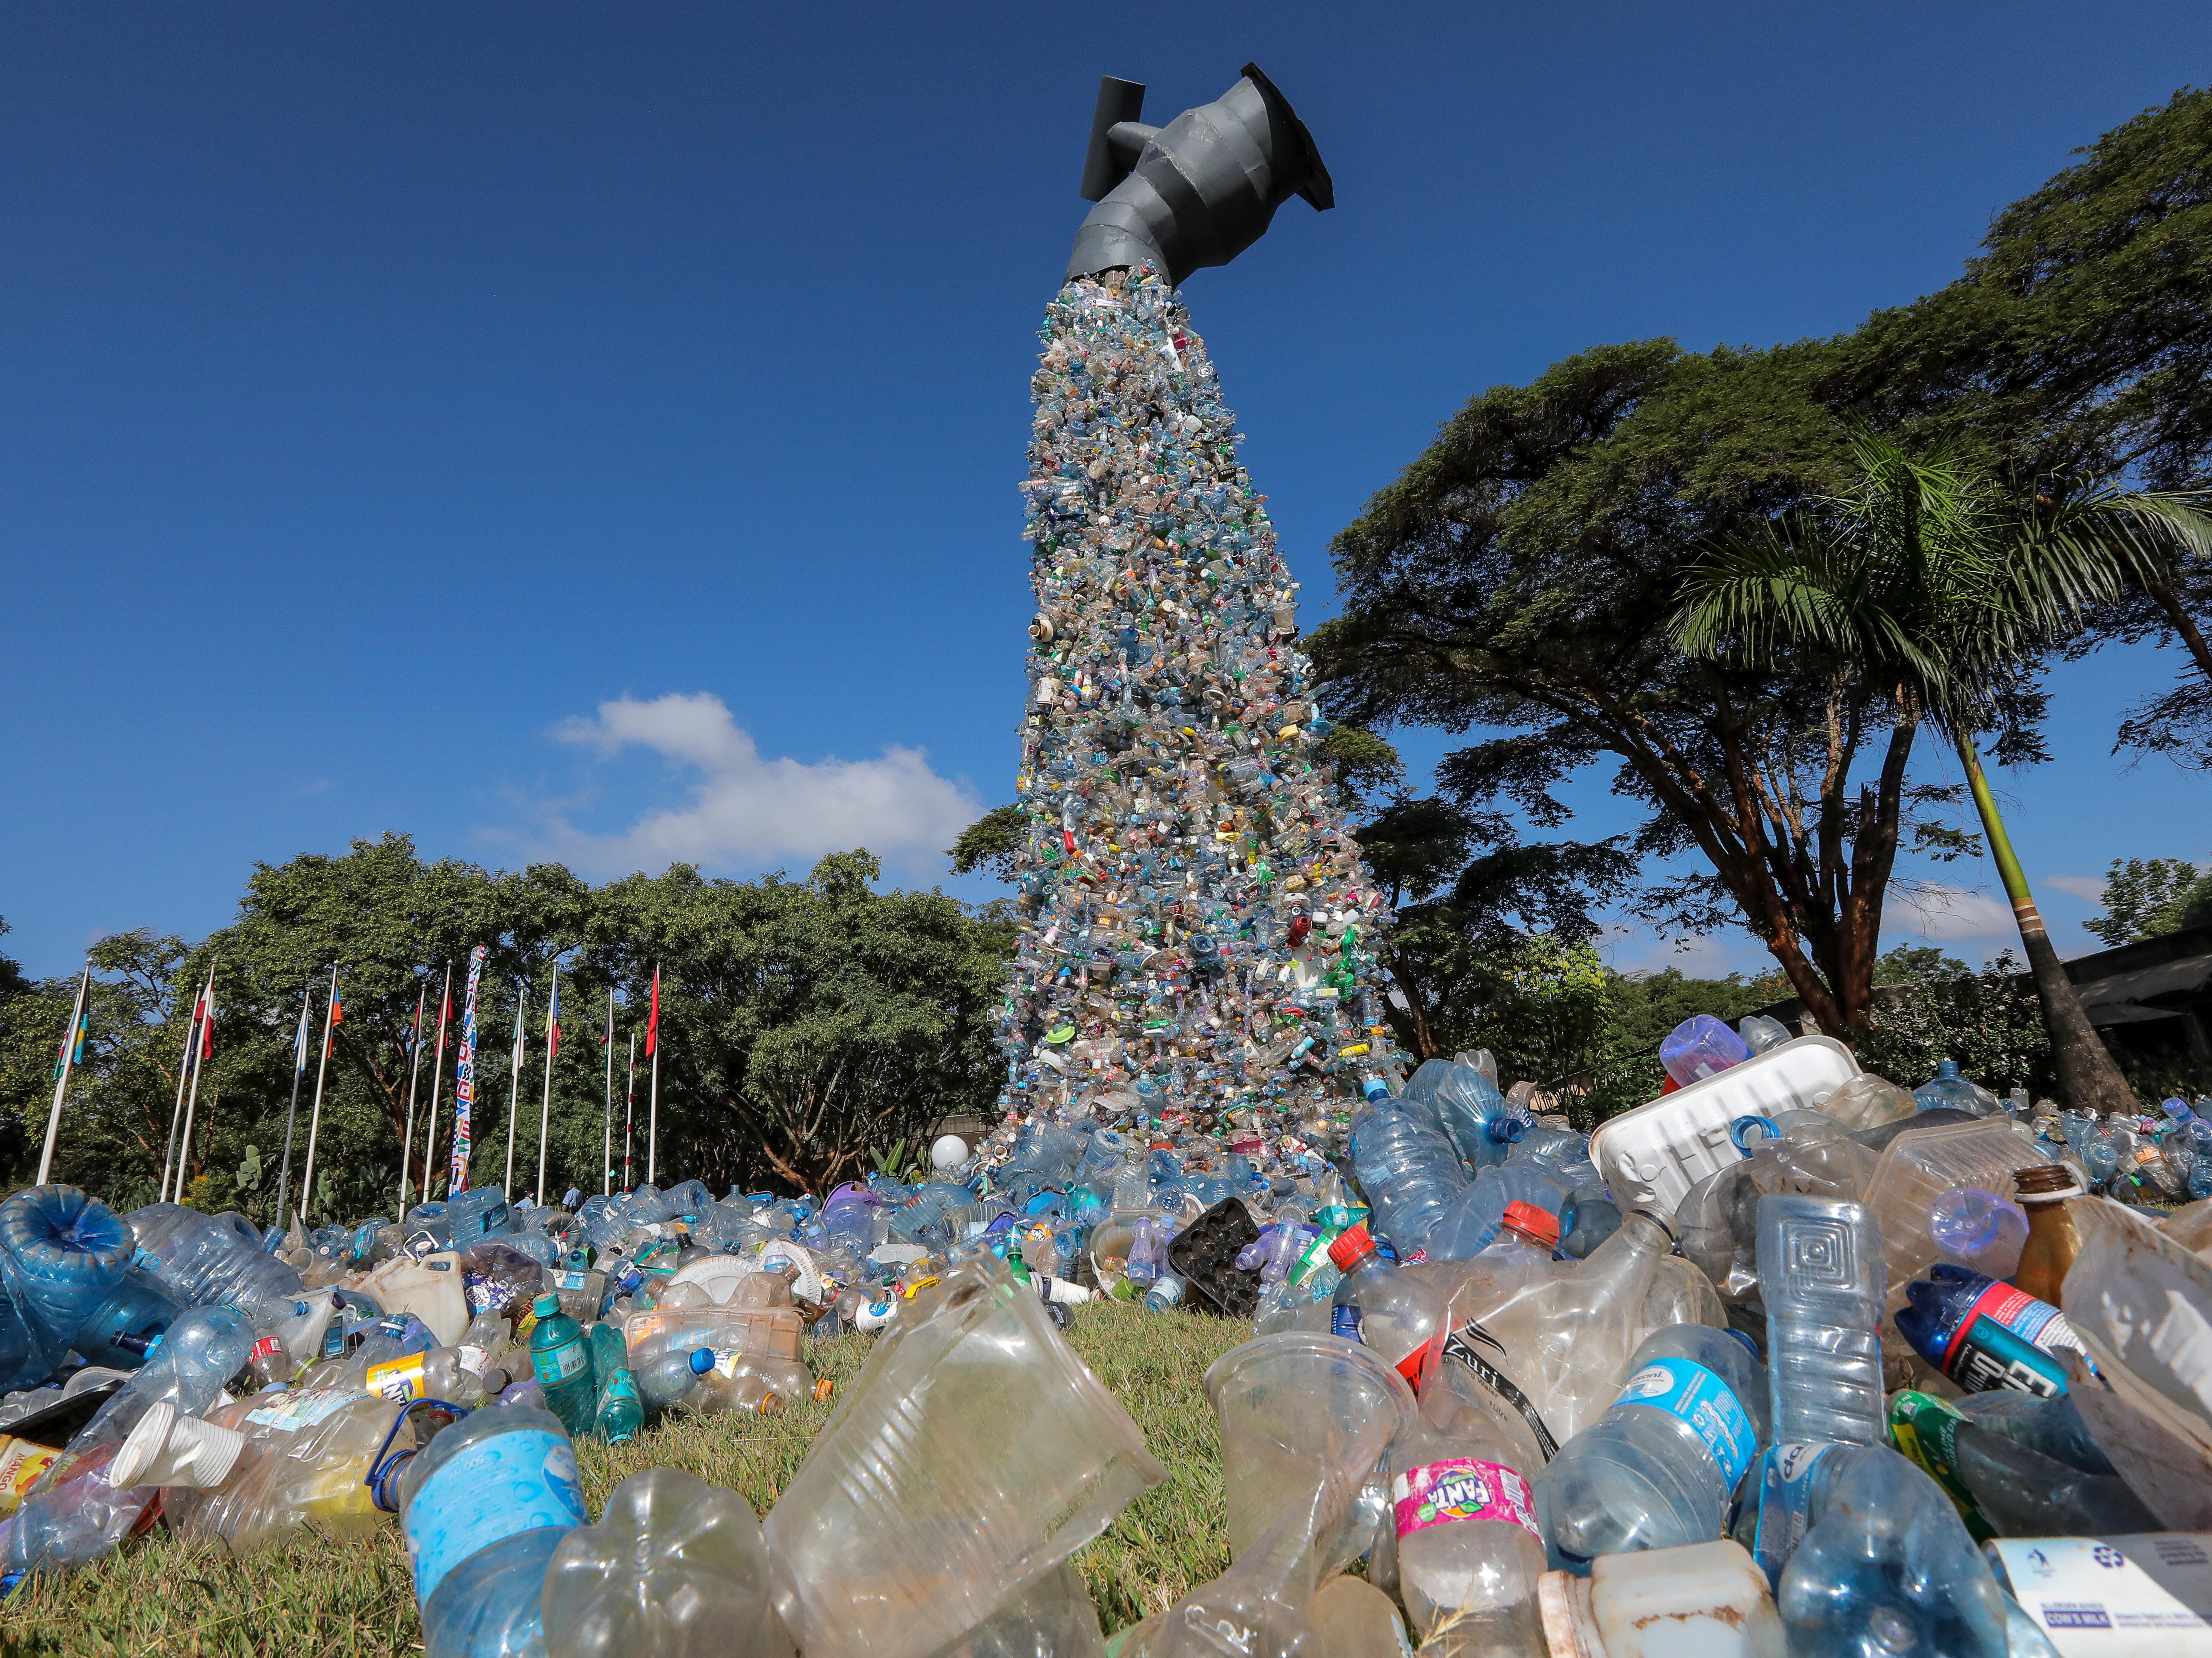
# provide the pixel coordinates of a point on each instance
(1926, 579)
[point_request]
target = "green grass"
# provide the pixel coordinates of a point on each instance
(315, 1597)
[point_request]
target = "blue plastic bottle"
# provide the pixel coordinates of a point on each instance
(120, 1331)
(63, 1253)
(1658, 1469)
(483, 1508)
(1983, 1333)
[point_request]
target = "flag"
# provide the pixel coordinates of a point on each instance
(553, 1021)
(300, 1042)
(337, 1015)
(204, 1016)
(521, 1000)
(652, 1019)
(71, 1052)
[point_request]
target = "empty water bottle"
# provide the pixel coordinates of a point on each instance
(1820, 1277)
(1659, 1469)
(1700, 1047)
(561, 1360)
(1947, 1089)
(664, 1382)
(1390, 1311)
(1979, 1229)
(483, 1509)
(675, 1567)
(63, 1253)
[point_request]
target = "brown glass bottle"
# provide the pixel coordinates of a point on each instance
(2048, 1192)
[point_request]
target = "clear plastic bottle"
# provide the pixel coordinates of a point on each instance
(1469, 1552)
(699, 1550)
(561, 1360)
(1820, 1277)
(1658, 1470)
(1975, 1228)
(1885, 1564)
(211, 1261)
(1700, 1047)
(1390, 1311)
(666, 1381)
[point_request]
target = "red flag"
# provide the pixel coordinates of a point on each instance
(204, 1016)
(653, 1019)
(337, 1018)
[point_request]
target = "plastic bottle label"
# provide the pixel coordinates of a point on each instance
(1785, 1505)
(1344, 1321)
(555, 1366)
(398, 1379)
(1464, 1345)
(1461, 1488)
(2002, 1341)
(502, 1484)
(293, 1411)
(1686, 1389)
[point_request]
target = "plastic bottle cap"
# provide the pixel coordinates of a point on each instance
(702, 1361)
(1349, 1248)
(1536, 1223)
(545, 1306)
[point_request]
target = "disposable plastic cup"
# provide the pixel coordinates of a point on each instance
(1305, 1417)
(973, 1454)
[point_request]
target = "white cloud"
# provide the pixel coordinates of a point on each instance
(2091, 887)
(1935, 911)
(748, 812)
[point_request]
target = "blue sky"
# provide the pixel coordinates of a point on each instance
(592, 431)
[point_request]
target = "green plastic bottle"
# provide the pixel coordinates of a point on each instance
(608, 1355)
(622, 1413)
(562, 1361)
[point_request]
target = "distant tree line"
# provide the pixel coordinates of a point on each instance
(802, 1024)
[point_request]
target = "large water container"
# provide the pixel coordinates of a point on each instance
(213, 1260)
(64, 1252)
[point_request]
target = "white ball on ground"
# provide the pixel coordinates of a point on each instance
(950, 1152)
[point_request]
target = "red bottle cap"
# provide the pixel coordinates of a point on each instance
(1349, 1248)
(1538, 1225)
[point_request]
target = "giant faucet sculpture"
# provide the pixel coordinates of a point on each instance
(1198, 928)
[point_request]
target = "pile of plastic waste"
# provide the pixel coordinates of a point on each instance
(1788, 1359)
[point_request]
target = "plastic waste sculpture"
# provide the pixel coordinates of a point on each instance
(1197, 927)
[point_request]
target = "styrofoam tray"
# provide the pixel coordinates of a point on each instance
(1651, 1157)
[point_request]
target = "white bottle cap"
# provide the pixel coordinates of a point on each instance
(168, 1449)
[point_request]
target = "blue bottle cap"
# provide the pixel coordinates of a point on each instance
(702, 1361)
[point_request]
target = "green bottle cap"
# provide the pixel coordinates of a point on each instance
(546, 1306)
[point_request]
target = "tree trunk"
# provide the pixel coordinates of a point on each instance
(2184, 624)
(2087, 1074)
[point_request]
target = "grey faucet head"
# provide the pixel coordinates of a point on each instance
(1199, 190)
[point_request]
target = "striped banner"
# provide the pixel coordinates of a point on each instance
(464, 1075)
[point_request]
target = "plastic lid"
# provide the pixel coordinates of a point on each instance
(546, 1306)
(1349, 1248)
(702, 1361)
(1536, 1223)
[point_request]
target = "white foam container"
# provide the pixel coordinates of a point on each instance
(1651, 1157)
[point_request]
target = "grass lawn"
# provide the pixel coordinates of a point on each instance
(313, 1597)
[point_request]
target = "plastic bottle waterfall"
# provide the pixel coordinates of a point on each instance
(1197, 926)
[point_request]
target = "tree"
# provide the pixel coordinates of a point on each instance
(2147, 898)
(992, 843)
(1927, 583)
(1520, 574)
(1934, 1008)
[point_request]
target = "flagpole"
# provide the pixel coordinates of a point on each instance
(437, 1078)
(515, 1083)
(315, 1118)
(192, 1096)
(414, 1070)
(653, 1116)
(630, 1111)
(177, 1112)
(67, 1064)
(292, 1117)
(607, 1145)
(552, 1048)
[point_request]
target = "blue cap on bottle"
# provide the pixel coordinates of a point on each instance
(702, 1361)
